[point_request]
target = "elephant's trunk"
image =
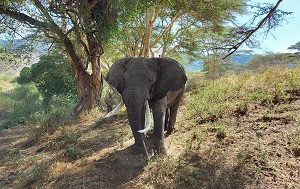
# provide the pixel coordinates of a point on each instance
(134, 101)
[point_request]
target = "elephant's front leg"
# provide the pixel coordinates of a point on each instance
(159, 112)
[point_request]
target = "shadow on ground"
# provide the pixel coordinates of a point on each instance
(113, 171)
(210, 174)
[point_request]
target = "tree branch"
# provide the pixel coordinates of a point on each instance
(249, 33)
(21, 17)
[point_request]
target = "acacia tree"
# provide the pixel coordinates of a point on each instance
(77, 27)
(296, 47)
(160, 24)
(263, 62)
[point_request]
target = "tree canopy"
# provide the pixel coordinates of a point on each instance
(83, 28)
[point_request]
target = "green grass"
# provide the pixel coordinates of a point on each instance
(229, 94)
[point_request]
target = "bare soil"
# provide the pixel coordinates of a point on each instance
(255, 148)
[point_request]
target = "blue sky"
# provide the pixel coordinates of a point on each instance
(285, 35)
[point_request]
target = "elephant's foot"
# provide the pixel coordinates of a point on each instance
(140, 150)
(170, 130)
(159, 149)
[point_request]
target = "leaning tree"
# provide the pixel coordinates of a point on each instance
(77, 27)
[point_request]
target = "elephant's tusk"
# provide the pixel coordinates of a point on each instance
(148, 119)
(115, 110)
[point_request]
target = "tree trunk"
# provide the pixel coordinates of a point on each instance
(88, 94)
(89, 86)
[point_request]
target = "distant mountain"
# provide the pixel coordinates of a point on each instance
(22, 44)
(239, 59)
(242, 58)
(16, 43)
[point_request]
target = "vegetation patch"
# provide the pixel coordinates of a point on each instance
(230, 133)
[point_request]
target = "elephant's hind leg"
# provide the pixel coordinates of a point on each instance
(167, 119)
(172, 119)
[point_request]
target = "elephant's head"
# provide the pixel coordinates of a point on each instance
(143, 79)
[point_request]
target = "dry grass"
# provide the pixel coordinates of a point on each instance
(236, 132)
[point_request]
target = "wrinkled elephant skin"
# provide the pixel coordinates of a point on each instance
(161, 82)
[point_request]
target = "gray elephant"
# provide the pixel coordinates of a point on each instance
(159, 81)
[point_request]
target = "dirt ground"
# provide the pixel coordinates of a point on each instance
(257, 148)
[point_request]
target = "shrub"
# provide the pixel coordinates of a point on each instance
(27, 101)
(59, 111)
(52, 75)
(212, 101)
(33, 175)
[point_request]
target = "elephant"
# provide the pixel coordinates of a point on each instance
(159, 82)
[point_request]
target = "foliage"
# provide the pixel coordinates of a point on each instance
(25, 106)
(25, 76)
(80, 28)
(296, 47)
(52, 75)
(212, 101)
(27, 102)
(266, 16)
(77, 28)
(161, 28)
(10, 61)
(33, 175)
(263, 62)
(57, 113)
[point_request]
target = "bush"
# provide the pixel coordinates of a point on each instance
(212, 101)
(61, 108)
(232, 93)
(25, 106)
(59, 111)
(27, 101)
(52, 75)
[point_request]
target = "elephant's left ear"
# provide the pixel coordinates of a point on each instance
(171, 76)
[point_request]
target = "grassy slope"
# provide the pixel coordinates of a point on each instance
(237, 132)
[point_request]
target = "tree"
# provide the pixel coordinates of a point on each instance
(9, 61)
(77, 27)
(157, 29)
(51, 75)
(296, 48)
(262, 62)
(203, 45)
(81, 27)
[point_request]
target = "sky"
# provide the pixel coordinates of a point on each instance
(285, 35)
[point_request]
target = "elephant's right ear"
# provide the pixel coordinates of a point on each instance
(115, 76)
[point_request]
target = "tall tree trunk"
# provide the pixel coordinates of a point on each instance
(151, 16)
(89, 86)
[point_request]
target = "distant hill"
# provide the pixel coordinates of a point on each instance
(242, 58)
(239, 59)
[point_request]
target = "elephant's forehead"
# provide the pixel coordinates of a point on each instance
(139, 66)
